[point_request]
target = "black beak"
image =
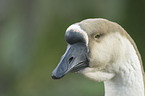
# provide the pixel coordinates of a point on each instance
(74, 59)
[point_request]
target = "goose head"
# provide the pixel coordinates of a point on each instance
(103, 51)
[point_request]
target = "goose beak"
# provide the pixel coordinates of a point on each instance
(74, 59)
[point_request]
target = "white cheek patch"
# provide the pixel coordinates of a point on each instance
(78, 29)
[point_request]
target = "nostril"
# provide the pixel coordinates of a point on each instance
(70, 59)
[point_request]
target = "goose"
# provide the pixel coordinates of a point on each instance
(103, 51)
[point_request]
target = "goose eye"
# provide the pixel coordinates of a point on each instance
(98, 35)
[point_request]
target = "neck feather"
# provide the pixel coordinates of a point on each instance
(129, 78)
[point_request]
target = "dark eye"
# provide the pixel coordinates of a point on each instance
(98, 35)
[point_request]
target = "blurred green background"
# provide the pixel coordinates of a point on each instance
(32, 42)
